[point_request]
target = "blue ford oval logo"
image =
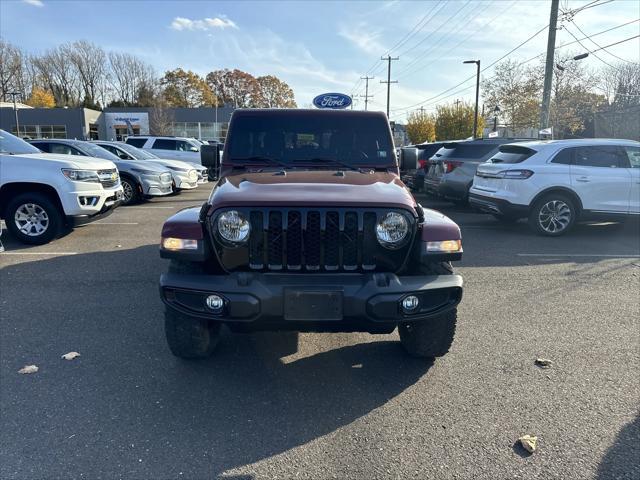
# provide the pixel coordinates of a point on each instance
(332, 100)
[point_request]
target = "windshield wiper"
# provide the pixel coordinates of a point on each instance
(334, 162)
(261, 158)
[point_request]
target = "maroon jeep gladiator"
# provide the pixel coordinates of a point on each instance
(309, 228)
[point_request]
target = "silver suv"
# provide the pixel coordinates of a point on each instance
(173, 148)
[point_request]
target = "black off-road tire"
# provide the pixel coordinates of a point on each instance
(189, 337)
(55, 219)
(430, 338)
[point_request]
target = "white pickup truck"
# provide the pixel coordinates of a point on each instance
(42, 193)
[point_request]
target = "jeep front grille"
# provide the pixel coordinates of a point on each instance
(312, 240)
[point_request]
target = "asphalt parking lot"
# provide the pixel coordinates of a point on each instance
(327, 405)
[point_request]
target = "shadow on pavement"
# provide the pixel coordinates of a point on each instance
(128, 408)
(490, 243)
(622, 460)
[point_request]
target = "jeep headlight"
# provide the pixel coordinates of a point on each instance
(233, 227)
(392, 229)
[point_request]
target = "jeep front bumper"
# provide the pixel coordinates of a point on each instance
(311, 302)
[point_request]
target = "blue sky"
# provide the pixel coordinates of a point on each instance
(325, 46)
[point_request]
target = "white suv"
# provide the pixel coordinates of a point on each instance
(556, 183)
(40, 193)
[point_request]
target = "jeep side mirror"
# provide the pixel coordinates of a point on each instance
(210, 158)
(408, 159)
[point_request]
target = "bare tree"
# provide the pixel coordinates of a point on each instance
(621, 84)
(14, 76)
(160, 120)
(90, 63)
(130, 77)
(59, 75)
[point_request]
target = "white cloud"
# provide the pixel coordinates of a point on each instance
(363, 37)
(35, 3)
(181, 23)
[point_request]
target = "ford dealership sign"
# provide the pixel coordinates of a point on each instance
(332, 100)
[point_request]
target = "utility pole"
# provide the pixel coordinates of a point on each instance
(475, 116)
(389, 58)
(15, 110)
(366, 95)
(548, 68)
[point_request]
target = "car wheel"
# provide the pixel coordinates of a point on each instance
(430, 338)
(33, 218)
(553, 215)
(189, 337)
(130, 193)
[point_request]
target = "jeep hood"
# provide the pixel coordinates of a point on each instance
(321, 188)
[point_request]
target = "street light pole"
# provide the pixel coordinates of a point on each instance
(475, 117)
(15, 111)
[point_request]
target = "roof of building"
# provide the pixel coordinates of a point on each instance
(10, 105)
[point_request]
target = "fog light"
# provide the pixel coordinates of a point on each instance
(215, 303)
(410, 303)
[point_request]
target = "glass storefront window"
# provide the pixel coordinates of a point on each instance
(41, 131)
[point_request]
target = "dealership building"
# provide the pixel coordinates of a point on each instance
(116, 123)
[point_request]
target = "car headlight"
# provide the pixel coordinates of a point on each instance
(233, 227)
(81, 175)
(392, 229)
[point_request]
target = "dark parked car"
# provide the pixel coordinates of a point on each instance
(309, 229)
(452, 168)
(414, 179)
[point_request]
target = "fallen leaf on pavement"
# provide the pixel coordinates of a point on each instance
(543, 362)
(70, 355)
(28, 369)
(529, 442)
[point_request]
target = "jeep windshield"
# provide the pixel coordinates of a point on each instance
(296, 139)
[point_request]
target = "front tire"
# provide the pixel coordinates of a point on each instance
(189, 337)
(430, 338)
(33, 218)
(131, 194)
(553, 215)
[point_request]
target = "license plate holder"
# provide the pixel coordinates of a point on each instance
(309, 305)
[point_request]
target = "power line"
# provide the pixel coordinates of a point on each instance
(598, 45)
(437, 43)
(400, 42)
(419, 56)
(404, 73)
(571, 13)
(484, 69)
(435, 31)
(590, 52)
(406, 38)
(616, 43)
